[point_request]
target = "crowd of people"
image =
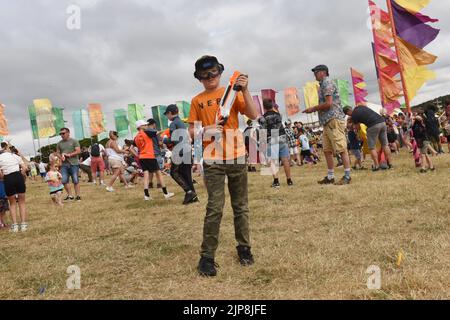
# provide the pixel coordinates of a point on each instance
(227, 158)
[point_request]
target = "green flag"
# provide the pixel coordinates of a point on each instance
(135, 113)
(162, 122)
(78, 125)
(33, 121)
(121, 120)
(59, 122)
(184, 108)
(344, 91)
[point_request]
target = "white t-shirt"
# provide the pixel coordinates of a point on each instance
(305, 142)
(87, 162)
(10, 163)
(42, 168)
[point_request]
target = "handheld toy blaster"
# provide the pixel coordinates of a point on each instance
(228, 99)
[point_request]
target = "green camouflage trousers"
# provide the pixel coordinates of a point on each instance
(238, 188)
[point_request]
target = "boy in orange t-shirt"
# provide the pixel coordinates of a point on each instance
(224, 156)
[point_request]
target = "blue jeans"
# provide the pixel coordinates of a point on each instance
(68, 171)
(278, 151)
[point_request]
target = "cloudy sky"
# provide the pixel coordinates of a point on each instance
(143, 51)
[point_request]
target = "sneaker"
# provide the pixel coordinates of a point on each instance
(190, 197)
(147, 198)
(326, 181)
(276, 185)
(103, 184)
(78, 198)
(23, 227)
(207, 267)
(110, 189)
(433, 169)
(254, 169)
(344, 181)
(14, 228)
(374, 169)
(245, 256)
(69, 198)
(423, 170)
(169, 196)
(129, 186)
(390, 167)
(290, 183)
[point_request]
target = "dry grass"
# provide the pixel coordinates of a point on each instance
(310, 242)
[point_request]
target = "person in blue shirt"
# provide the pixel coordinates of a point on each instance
(4, 205)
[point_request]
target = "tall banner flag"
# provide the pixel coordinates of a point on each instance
(292, 101)
(311, 93)
(270, 94)
(3, 122)
(184, 108)
(96, 119)
(58, 115)
(81, 124)
(258, 103)
(162, 123)
(44, 118)
(359, 88)
(411, 34)
(33, 122)
(135, 113)
(344, 91)
(121, 122)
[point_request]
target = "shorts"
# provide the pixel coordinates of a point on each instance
(278, 151)
(293, 151)
(4, 205)
(97, 164)
(115, 164)
(68, 171)
(334, 139)
(54, 193)
(306, 153)
(43, 174)
(150, 165)
(425, 147)
(356, 153)
(14, 184)
(375, 133)
(33, 172)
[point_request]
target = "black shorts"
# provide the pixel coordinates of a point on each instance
(306, 153)
(150, 165)
(14, 184)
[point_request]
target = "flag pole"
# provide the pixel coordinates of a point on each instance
(375, 56)
(402, 69)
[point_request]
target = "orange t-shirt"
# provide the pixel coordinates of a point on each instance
(145, 146)
(204, 108)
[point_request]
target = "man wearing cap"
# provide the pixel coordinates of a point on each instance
(332, 118)
(181, 167)
(224, 156)
(376, 130)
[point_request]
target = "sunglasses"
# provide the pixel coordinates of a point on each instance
(207, 75)
(62, 133)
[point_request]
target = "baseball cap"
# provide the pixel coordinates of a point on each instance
(171, 108)
(141, 123)
(320, 67)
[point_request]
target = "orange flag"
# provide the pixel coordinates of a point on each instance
(292, 101)
(3, 121)
(96, 119)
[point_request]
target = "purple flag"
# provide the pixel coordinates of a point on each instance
(412, 28)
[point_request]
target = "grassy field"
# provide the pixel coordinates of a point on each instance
(310, 242)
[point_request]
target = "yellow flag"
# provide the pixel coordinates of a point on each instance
(44, 118)
(411, 56)
(415, 78)
(361, 85)
(413, 5)
(311, 93)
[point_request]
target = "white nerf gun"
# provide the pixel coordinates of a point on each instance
(228, 99)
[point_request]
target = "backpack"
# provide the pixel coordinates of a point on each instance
(95, 150)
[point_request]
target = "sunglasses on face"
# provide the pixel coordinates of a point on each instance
(62, 133)
(207, 75)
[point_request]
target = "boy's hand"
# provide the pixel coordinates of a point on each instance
(242, 82)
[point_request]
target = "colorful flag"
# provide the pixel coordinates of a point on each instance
(33, 121)
(44, 118)
(413, 6)
(78, 127)
(59, 123)
(258, 104)
(415, 78)
(96, 119)
(292, 101)
(412, 27)
(344, 91)
(270, 94)
(3, 121)
(121, 122)
(359, 86)
(412, 56)
(135, 113)
(184, 108)
(311, 93)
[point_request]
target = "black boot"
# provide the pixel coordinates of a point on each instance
(245, 256)
(207, 267)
